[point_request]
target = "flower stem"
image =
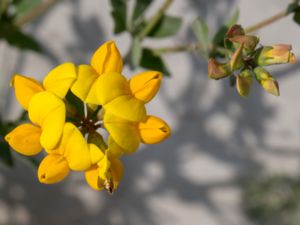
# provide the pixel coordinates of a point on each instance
(155, 19)
(197, 46)
(35, 12)
(266, 22)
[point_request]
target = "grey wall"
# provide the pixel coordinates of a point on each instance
(219, 140)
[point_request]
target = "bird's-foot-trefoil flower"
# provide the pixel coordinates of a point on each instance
(86, 118)
(244, 59)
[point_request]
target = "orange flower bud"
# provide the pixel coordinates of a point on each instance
(276, 54)
(249, 42)
(217, 70)
(235, 30)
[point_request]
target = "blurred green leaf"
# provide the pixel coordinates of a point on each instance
(24, 6)
(292, 7)
(218, 39)
(153, 62)
(296, 16)
(119, 14)
(5, 154)
(139, 8)
(136, 52)
(167, 26)
(15, 37)
(201, 31)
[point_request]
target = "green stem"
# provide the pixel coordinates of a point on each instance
(267, 21)
(180, 48)
(35, 12)
(155, 19)
(197, 46)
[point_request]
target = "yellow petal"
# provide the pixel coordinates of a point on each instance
(95, 153)
(104, 166)
(116, 171)
(107, 58)
(124, 132)
(110, 86)
(53, 169)
(114, 150)
(145, 85)
(127, 107)
(60, 79)
(25, 139)
(75, 149)
(85, 80)
(93, 179)
(49, 112)
(25, 88)
(154, 130)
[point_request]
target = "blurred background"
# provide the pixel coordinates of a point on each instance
(229, 161)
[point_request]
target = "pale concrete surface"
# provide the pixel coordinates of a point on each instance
(219, 139)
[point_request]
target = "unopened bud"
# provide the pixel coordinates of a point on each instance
(276, 54)
(218, 70)
(244, 82)
(237, 61)
(53, 169)
(249, 42)
(153, 130)
(235, 30)
(145, 85)
(267, 82)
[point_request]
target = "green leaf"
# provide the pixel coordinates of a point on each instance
(293, 7)
(296, 16)
(5, 154)
(201, 31)
(119, 14)
(218, 39)
(139, 8)
(167, 26)
(15, 37)
(136, 52)
(153, 62)
(24, 6)
(233, 19)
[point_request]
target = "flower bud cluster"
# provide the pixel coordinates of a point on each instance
(245, 60)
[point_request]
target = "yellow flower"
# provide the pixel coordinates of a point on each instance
(58, 81)
(266, 80)
(106, 59)
(45, 107)
(275, 54)
(103, 84)
(72, 153)
(128, 135)
(127, 99)
(47, 113)
(106, 172)
(218, 70)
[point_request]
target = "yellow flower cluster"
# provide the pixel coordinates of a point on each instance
(76, 141)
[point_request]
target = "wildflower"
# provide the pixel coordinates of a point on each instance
(217, 70)
(276, 54)
(266, 80)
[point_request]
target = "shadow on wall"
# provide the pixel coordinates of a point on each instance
(156, 172)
